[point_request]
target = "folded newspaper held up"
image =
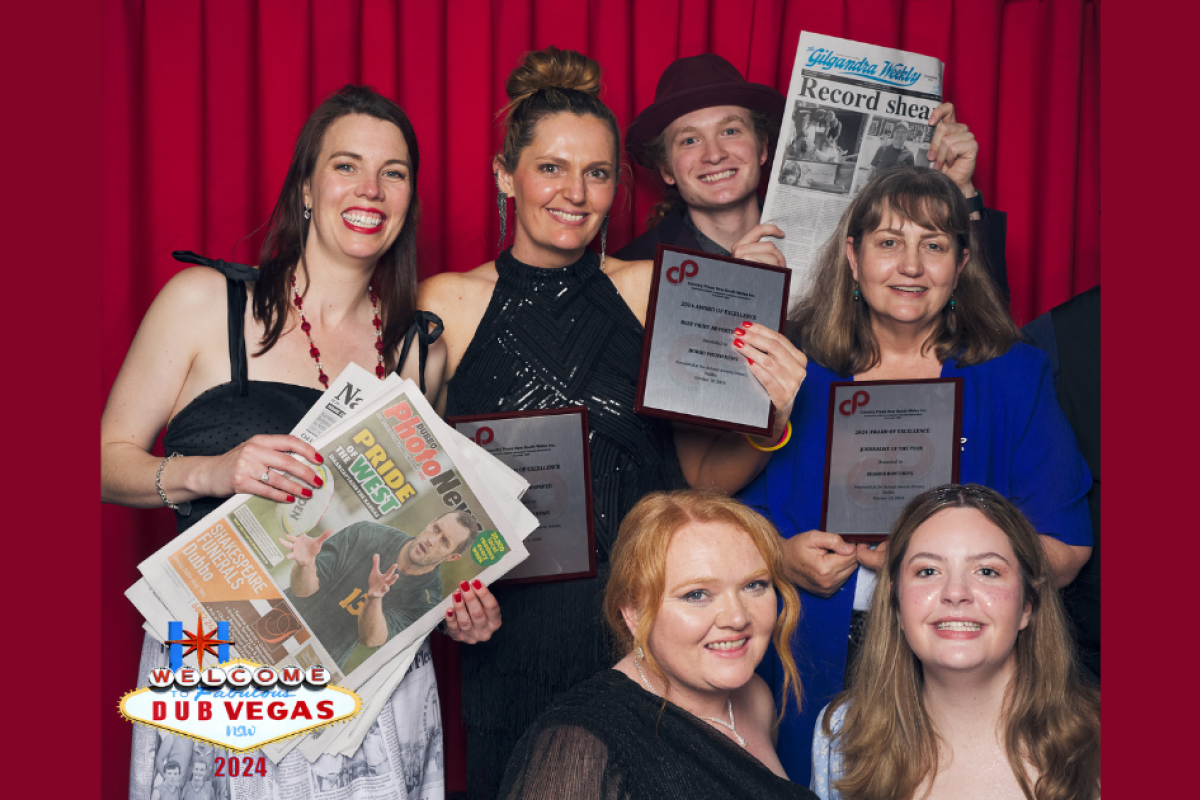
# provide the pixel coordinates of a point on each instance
(355, 577)
(853, 109)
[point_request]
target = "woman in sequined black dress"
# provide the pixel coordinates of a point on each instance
(550, 324)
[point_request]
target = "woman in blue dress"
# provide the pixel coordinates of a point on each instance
(900, 293)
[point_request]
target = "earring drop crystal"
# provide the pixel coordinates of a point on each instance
(502, 207)
(603, 241)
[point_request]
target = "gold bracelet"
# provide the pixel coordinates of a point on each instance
(787, 437)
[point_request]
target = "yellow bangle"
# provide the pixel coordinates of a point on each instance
(787, 437)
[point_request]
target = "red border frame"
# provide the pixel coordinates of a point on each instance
(587, 480)
(640, 406)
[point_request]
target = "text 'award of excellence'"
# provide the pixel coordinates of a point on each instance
(888, 442)
(549, 448)
(690, 369)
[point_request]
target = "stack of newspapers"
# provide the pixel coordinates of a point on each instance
(392, 472)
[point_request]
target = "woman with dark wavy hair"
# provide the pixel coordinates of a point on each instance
(900, 294)
(229, 357)
(966, 684)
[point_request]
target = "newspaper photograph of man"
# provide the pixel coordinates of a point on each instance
(823, 147)
(899, 145)
(368, 582)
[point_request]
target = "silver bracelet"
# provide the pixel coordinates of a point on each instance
(184, 508)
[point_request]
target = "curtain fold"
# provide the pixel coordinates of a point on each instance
(203, 101)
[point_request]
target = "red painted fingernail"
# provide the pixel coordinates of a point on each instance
(306, 492)
(458, 597)
(739, 332)
(317, 480)
(747, 324)
(477, 584)
(751, 360)
(291, 499)
(738, 343)
(466, 587)
(449, 612)
(320, 459)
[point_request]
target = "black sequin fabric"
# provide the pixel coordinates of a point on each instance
(552, 338)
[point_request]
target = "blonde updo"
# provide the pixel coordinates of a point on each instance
(549, 82)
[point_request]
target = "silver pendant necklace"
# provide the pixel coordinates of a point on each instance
(728, 701)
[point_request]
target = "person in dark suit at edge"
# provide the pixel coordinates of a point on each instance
(1070, 335)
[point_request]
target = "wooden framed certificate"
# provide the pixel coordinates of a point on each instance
(888, 442)
(549, 448)
(690, 369)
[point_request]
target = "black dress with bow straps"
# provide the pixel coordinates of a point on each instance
(215, 422)
(221, 418)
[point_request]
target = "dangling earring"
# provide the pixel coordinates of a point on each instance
(307, 213)
(856, 294)
(640, 654)
(502, 207)
(951, 301)
(603, 240)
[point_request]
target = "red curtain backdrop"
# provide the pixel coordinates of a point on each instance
(203, 100)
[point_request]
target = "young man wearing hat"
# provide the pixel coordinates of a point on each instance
(709, 133)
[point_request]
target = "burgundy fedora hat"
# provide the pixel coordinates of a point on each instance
(690, 84)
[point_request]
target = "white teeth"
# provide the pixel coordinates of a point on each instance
(726, 645)
(363, 220)
(910, 289)
(563, 215)
(958, 626)
(720, 176)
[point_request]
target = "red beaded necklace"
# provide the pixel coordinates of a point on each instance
(306, 326)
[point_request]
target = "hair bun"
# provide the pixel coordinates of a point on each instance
(553, 68)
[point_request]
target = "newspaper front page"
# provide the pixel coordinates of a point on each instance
(397, 504)
(397, 738)
(852, 110)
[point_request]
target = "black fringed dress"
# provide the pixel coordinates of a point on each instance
(552, 338)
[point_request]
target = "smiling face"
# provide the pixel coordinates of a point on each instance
(360, 190)
(563, 186)
(960, 594)
(906, 272)
(437, 543)
(717, 613)
(899, 136)
(715, 157)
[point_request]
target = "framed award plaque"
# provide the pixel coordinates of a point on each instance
(549, 448)
(690, 369)
(888, 442)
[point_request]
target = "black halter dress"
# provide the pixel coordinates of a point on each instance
(552, 338)
(221, 418)
(218, 420)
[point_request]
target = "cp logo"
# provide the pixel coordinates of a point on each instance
(859, 399)
(483, 436)
(687, 269)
